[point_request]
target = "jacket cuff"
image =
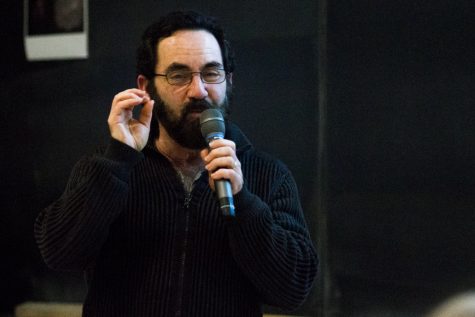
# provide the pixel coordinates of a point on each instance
(121, 158)
(248, 206)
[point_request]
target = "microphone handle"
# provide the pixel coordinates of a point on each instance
(223, 186)
(225, 197)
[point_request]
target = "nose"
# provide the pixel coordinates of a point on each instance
(197, 89)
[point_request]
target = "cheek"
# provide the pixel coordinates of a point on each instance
(217, 94)
(171, 95)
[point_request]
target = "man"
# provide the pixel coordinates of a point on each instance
(142, 220)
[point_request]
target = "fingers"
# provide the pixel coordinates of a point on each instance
(222, 163)
(220, 147)
(221, 154)
(226, 162)
(234, 176)
(123, 127)
(123, 104)
(130, 95)
(145, 116)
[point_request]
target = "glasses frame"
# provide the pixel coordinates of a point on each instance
(191, 77)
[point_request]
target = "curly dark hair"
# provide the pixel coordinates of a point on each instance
(175, 21)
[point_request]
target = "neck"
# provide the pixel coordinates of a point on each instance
(178, 155)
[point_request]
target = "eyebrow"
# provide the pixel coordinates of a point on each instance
(176, 66)
(213, 65)
(179, 66)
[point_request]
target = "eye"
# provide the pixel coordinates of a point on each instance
(211, 74)
(178, 75)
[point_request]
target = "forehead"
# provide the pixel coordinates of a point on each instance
(193, 48)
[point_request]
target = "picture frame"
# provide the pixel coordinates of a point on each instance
(55, 29)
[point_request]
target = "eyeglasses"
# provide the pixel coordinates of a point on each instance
(184, 77)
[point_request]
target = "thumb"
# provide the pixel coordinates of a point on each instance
(211, 183)
(145, 116)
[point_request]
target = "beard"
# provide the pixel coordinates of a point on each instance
(184, 129)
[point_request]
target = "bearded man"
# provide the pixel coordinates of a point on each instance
(141, 218)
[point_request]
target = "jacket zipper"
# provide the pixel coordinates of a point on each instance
(181, 275)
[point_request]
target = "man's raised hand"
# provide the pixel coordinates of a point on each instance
(123, 126)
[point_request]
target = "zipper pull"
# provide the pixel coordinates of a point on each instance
(187, 200)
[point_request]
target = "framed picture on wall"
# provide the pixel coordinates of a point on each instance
(55, 29)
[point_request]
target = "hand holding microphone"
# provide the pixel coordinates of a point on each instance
(221, 161)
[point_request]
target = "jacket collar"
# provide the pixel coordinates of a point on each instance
(234, 133)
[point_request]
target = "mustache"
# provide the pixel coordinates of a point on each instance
(197, 106)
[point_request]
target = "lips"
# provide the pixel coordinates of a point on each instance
(196, 109)
(193, 114)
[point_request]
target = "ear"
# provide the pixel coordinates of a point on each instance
(142, 82)
(230, 78)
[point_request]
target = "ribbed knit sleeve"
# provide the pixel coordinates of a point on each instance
(71, 231)
(269, 238)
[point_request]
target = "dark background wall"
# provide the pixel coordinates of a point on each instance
(401, 151)
(399, 144)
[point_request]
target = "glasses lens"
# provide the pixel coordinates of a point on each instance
(209, 76)
(213, 76)
(179, 77)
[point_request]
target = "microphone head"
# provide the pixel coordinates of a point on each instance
(212, 124)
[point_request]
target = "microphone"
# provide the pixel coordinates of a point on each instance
(212, 128)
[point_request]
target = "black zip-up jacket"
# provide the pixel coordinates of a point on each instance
(151, 249)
